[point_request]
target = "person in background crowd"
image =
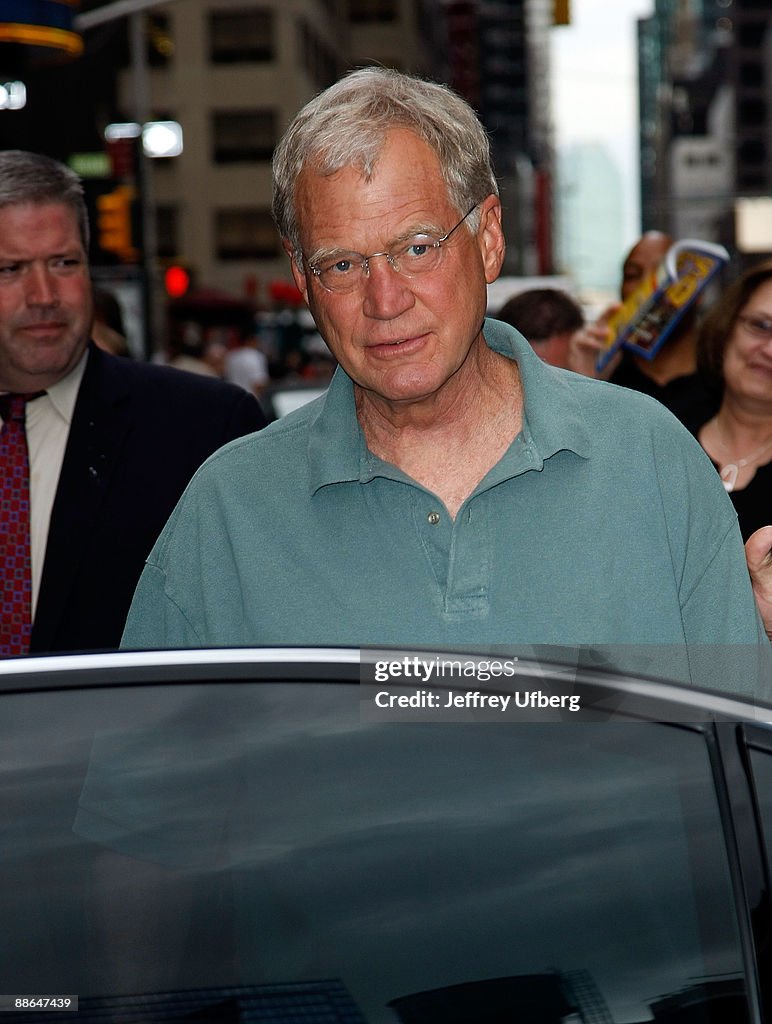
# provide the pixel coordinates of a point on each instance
(672, 376)
(735, 351)
(96, 448)
(450, 489)
(247, 366)
(108, 331)
(548, 318)
(195, 354)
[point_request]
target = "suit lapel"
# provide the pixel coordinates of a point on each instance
(99, 426)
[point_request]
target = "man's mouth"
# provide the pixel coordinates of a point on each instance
(411, 341)
(44, 326)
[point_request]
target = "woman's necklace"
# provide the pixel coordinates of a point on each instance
(731, 470)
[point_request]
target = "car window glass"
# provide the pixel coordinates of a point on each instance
(232, 842)
(761, 763)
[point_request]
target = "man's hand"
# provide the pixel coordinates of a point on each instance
(585, 346)
(758, 554)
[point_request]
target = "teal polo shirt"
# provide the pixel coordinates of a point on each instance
(604, 523)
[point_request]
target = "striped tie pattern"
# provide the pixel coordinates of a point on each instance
(15, 560)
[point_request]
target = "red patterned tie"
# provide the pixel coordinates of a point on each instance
(15, 561)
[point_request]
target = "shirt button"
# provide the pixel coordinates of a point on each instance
(433, 518)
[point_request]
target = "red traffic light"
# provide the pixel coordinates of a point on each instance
(176, 282)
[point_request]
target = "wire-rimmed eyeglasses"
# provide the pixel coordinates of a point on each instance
(758, 326)
(412, 256)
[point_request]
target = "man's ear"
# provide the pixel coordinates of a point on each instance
(490, 235)
(298, 276)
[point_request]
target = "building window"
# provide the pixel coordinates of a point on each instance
(751, 151)
(243, 136)
(752, 74)
(167, 232)
(751, 112)
(372, 10)
(749, 33)
(246, 234)
(241, 36)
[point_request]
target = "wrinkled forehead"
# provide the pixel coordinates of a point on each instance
(364, 153)
(324, 163)
(406, 173)
(45, 221)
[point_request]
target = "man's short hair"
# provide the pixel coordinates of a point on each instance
(538, 313)
(346, 126)
(34, 178)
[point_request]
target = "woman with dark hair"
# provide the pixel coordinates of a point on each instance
(735, 351)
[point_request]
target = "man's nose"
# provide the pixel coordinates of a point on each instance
(41, 286)
(387, 293)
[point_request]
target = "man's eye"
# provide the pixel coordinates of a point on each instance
(66, 263)
(7, 269)
(339, 267)
(417, 248)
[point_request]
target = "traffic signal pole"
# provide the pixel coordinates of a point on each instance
(114, 11)
(149, 261)
(133, 10)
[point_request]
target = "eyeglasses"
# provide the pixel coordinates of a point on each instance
(410, 257)
(758, 326)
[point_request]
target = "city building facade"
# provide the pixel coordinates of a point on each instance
(705, 88)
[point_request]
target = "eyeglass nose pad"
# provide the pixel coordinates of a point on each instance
(389, 259)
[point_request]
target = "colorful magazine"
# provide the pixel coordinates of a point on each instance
(648, 317)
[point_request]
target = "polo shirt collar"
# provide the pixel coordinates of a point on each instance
(336, 443)
(552, 421)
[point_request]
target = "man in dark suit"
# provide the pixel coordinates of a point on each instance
(111, 443)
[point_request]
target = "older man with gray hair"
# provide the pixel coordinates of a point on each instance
(450, 489)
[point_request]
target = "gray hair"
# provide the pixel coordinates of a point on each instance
(34, 178)
(346, 125)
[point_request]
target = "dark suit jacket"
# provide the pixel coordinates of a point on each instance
(138, 434)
